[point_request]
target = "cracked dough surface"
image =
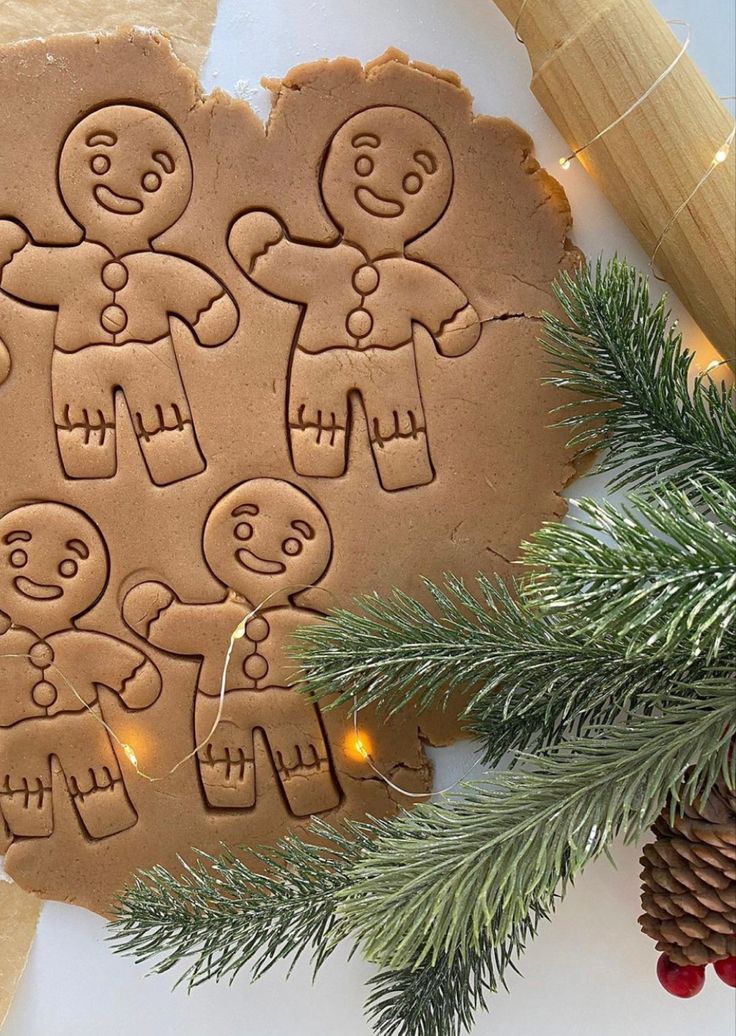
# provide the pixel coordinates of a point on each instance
(468, 468)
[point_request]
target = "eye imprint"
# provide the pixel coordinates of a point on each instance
(291, 547)
(364, 165)
(18, 558)
(244, 531)
(68, 568)
(100, 164)
(412, 183)
(151, 182)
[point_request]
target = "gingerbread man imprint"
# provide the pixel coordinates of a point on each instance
(125, 176)
(53, 569)
(264, 540)
(386, 179)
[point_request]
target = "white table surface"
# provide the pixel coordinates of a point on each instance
(588, 972)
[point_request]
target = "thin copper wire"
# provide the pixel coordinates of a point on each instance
(724, 149)
(365, 754)
(518, 19)
(237, 634)
(564, 162)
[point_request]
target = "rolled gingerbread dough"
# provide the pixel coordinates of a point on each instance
(255, 371)
(188, 25)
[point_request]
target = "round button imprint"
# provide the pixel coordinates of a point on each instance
(359, 323)
(114, 275)
(113, 319)
(255, 667)
(42, 654)
(365, 279)
(257, 629)
(44, 694)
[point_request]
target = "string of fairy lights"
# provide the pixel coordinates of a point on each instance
(358, 742)
(718, 159)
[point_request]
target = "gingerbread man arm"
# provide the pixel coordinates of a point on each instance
(261, 247)
(446, 312)
(460, 333)
(30, 272)
(202, 301)
(155, 613)
(127, 672)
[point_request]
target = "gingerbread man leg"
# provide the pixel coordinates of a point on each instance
(395, 416)
(227, 756)
(93, 776)
(295, 738)
(319, 384)
(293, 730)
(84, 411)
(26, 803)
(160, 411)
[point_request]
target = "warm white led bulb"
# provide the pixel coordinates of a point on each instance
(131, 755)
(722, 155)
(565, 163)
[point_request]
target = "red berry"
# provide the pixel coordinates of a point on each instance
(680, 980)
(726, 970)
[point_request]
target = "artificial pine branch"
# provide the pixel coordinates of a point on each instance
(439, 876)
(532, 677)
(664, 575)
(617, 350)
(620, 352)
(222, 915)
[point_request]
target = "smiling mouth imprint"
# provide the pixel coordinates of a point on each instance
(261, 566)
(37, 591)
(117, 203)
(374, 204)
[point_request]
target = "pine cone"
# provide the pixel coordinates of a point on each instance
(689, 882)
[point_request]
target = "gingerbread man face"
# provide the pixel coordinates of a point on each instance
(265, 538)
(125, 173)
(53, 565)
(387, 174)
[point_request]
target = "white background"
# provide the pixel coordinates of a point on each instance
(590, 970)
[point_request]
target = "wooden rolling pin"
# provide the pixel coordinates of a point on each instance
(590, 60)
